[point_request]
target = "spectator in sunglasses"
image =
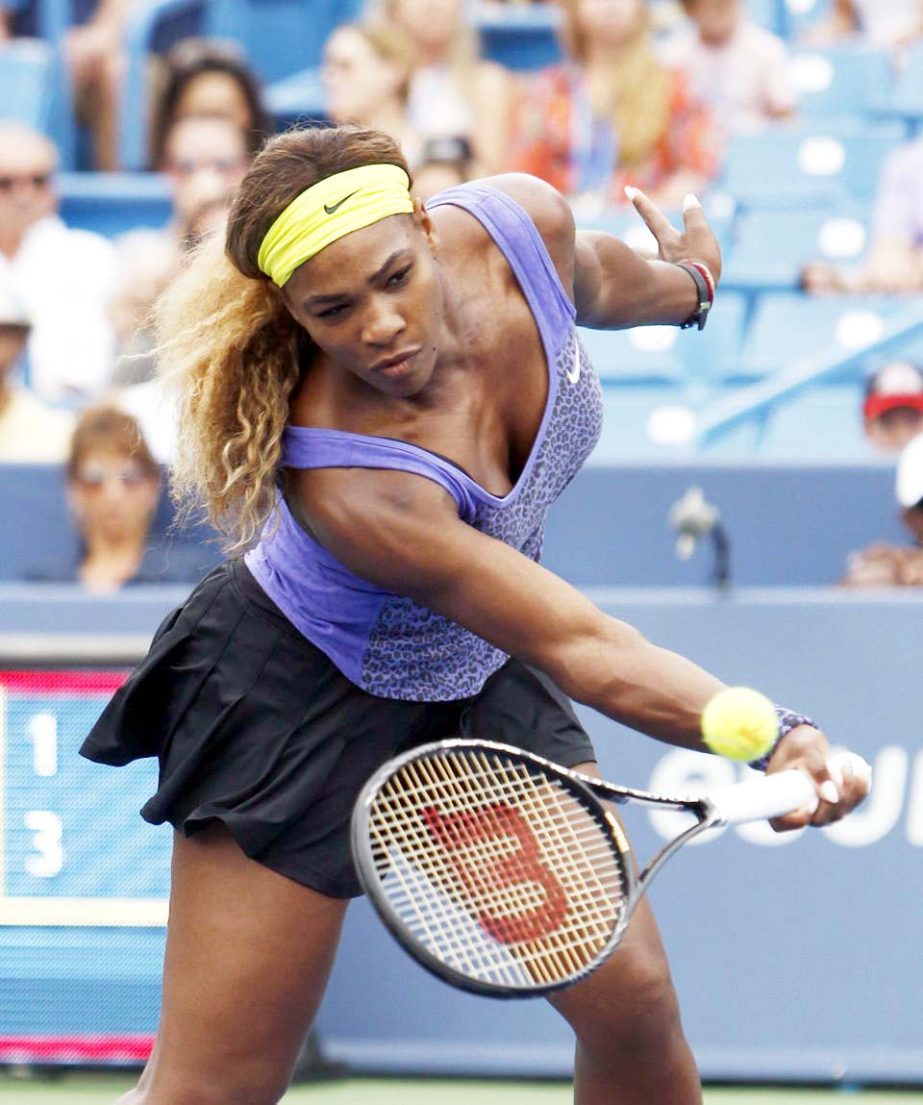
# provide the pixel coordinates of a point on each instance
(113, 491)
(63, 277)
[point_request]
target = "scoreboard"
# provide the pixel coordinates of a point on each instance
(83, 879)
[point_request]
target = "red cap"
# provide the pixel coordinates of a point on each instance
(876, 404)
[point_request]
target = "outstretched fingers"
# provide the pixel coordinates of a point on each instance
(658, 224)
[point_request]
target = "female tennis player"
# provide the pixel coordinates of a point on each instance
(377, 405)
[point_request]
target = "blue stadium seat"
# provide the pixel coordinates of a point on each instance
(818, 423)
(27, 83)
(845, 81)
(815, 164)
(643, 355)
(713, 353)
(795, 16)
(519, 36)
(644, 423)
(281, 36)
(786, 327)
(630, 415)
(771, 246)
(113, 203)
(766, 13)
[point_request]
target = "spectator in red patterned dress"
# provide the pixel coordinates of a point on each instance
(612, 114)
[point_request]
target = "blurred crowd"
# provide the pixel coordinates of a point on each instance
(644, 93)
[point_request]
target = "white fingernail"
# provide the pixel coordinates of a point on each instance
(829, 792)
(835, 773)
(630, 192)
(690, 201)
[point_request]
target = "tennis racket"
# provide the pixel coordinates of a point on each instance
(505, 874)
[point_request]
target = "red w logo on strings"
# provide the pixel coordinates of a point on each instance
(486, 877)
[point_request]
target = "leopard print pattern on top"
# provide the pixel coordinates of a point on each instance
(415, 654)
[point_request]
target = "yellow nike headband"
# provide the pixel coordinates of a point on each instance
(330, 209)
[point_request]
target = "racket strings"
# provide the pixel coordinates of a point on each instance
(499, 871)
(523, 894)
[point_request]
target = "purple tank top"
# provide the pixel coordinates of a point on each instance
(385, 643)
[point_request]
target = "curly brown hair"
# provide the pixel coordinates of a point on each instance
(229, 348)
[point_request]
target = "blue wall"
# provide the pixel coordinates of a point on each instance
(789, 524)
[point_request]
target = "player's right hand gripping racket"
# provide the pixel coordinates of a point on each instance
(504, 874)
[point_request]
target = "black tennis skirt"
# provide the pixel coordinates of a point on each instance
(256, 728)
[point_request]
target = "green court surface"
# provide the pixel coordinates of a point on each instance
(103, 1089)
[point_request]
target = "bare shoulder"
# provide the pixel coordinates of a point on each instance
(343, 500)
(550, 212)
(378, 522)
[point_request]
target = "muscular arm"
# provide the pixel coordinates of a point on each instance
(402, 533)
(613, 286)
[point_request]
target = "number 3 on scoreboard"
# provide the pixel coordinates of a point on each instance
(48, 858)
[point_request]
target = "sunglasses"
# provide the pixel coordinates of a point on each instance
(34, 180)
(220, 165)
(95, 476)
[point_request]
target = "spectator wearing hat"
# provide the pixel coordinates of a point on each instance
(63, 277)
(893, 408)
(30, 432)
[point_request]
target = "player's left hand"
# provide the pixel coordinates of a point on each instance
(695, 240)
(808, 750)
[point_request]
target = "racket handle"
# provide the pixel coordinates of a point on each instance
(778, 794)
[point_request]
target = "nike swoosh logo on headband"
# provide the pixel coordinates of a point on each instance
(336, 206)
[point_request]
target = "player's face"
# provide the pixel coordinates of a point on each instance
(372, 301)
